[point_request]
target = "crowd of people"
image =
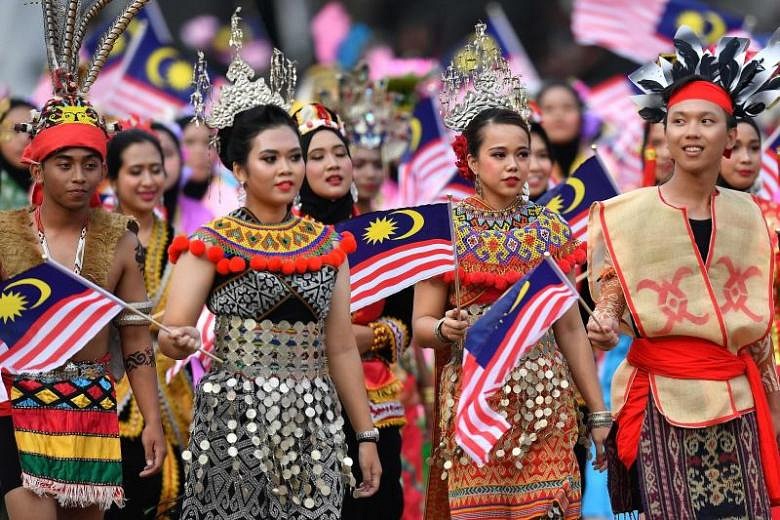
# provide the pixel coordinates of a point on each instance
(304, 409)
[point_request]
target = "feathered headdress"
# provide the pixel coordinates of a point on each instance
(752, 84)
(68, 119)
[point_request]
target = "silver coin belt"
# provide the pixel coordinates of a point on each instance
(536, 399)
(276, 385)
(68, 371)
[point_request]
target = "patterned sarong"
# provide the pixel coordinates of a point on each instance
(67, 433)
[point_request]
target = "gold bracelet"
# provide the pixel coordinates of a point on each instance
(428, 395)
(381, 335)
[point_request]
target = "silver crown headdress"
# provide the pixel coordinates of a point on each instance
(244, 92)
(479, 78)
(371, 112)
(753, 84)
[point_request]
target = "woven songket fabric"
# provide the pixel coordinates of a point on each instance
(532, 471)
(68, 436)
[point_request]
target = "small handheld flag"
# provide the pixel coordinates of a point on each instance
(572, 199)
(396, 249)
(48, 315)
(207, 342)
(496, 343)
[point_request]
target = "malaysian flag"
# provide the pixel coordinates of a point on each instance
(611, 102)
(396, 249)
(572, 199)
(494, 346)
(458, 188)
(770, 168)
(156, 81)
(640, 31)
(48, 315)
(430, 162)
(207, 341)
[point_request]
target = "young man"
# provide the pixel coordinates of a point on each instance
(698, 397)
(67, 162)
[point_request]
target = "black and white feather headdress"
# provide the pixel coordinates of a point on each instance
(753, 84)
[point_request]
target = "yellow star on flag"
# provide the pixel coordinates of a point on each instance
(379, 230)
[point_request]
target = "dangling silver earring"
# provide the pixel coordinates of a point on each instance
(353, 190)
(477, 186)
(242, 193)
(297, 201)
(526, 196)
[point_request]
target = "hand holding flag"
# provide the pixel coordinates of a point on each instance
(496, 343)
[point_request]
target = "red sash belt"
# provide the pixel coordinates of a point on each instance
(693, 358)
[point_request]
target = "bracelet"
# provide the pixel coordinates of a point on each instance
(380, 336)
(601, 419)
(428, 395)
(371, 435)
(438, 333)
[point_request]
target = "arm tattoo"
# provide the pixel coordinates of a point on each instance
(140, 256)
(139, 359)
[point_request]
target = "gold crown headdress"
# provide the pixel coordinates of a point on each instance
(371, 112)
(479, 78)
(244, 92)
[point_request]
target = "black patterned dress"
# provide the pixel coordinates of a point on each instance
(267, 438)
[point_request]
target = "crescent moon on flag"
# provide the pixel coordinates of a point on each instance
(416, 131)
(520, 296)
(43, 289)
(417, 222)
(579, 192)
(153, 64)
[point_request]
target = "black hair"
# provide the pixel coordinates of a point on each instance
(235, 141)
(538, 129)
(752, 122)
(160, 127)
(16, 103)
(731, 120)
(123, 140)
(557, 83)
(500, 116)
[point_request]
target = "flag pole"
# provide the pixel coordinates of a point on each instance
(456, 279)
(562, 276)
(119, 301)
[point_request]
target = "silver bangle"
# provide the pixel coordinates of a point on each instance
(438, 333)
(371, 435)
(601, 419)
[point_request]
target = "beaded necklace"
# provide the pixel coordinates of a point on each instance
(155, 250)
(78, 263)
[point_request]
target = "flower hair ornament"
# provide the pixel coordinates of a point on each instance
(243, 91)
(477, 79)
(742, 86)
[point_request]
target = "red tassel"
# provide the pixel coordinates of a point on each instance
(314, 263)
(301, 265)
(501, 283)
(36, 197)
(197, 247)
(223, 267)
(348, 242)
(215, 254)
(288, 267)
(258, 263)
(237, 264)
(274, 264)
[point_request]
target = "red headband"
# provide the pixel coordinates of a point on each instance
(70, 135)
(703, 90)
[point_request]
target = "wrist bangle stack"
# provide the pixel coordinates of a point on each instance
(371, 435)
(438, 333)
(381, 335)
(600, 419)
(428, 395)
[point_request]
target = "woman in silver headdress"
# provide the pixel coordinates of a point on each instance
(267, 439)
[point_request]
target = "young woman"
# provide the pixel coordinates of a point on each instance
(380, 331)
(15, 179)
(562, 118)
(656, 160)
(135, 162)
(267, 439)
(541, 162)
(532, 471)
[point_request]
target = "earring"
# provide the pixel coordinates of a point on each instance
(297, 201)
(526, 196)
(353, 190)
(242, 193)
(477, 185)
